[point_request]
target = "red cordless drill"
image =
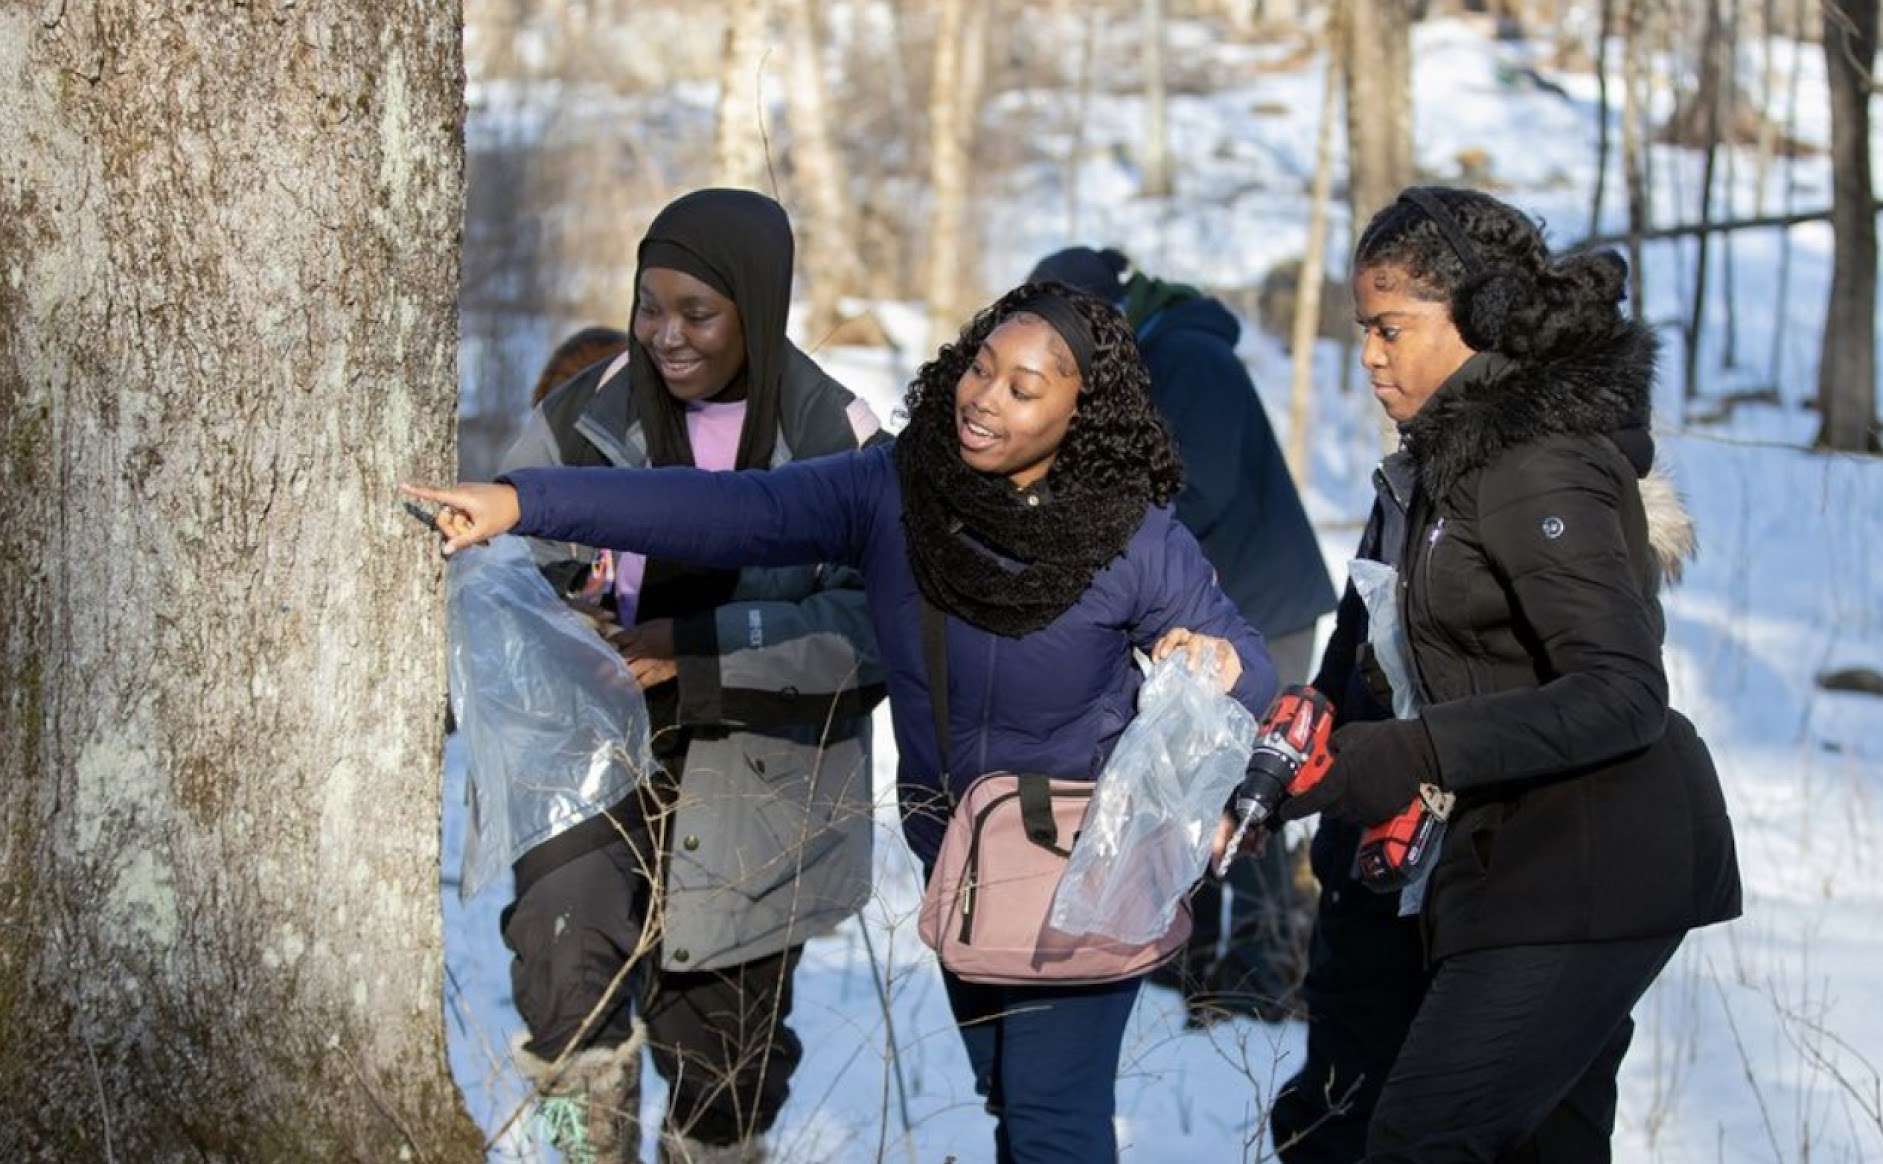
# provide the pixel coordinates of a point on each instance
(1291, 756)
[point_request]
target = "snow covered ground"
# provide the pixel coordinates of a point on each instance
(1764, 1038)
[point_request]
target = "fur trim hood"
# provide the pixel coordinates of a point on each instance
(1495, 403)
(1603, 387)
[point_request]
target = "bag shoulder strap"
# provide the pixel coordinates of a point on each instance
(935, 656)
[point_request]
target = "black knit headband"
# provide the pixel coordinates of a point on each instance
(1064, 318)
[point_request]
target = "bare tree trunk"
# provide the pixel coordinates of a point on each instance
(1768, 127)
(954, 108)
(1605, 27)
(1155, 161)
(1308, 290)
(1781, 299)
(1092, 23)
(1633, 150)
(1712, 88)
(822, 178)
(1847, 365)
(1729, 283)
(1375, 39)
(228, 329)
(739, 154)
(1376, 60)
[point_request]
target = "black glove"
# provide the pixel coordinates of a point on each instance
(1378, 767)
(1367, 662)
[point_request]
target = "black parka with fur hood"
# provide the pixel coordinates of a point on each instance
(1587, 809)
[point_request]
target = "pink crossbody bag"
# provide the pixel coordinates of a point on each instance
(984, 912)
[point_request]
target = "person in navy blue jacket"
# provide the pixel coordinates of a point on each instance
(1029, 500)
(1241, 503)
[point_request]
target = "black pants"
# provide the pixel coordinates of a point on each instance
(718, 1037)
(1513, 1055)
(1366, 978)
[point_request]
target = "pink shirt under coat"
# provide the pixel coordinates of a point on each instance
(714, 431)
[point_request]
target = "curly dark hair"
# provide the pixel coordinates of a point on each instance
(584, 349)
(1524, 302)
(1118, 443)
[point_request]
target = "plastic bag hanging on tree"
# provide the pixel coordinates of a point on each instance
(1146, 838)
(555, 724)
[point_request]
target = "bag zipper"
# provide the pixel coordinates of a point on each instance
(966, 889)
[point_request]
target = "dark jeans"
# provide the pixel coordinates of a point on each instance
(1046, 1058)
(1513, 1055)
(719, 1038)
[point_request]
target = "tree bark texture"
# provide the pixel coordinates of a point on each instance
(1376, 59)
(739, 140)
(228, 276)
(1847, 364)
(1375, 39)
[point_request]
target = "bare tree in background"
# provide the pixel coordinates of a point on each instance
(1634, 145)
(1154, 161)
(1602, 112)
(228, 332)
(822, 179)
(739, 137)
(1091, 25)
(953, 111)
(1307, 322)
(1374, 39)
(1847, 365)
(1712, 91)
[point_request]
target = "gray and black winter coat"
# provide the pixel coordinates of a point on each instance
(769, 842)
(1588, 809)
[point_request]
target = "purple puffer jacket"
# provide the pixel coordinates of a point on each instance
(1053, 701)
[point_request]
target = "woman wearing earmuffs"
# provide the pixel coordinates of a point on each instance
(1589, 832)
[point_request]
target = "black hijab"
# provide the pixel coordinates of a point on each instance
(739, 243)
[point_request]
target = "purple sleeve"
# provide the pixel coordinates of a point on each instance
(816, 510)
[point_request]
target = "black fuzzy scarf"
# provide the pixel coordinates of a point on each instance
(1005, 560)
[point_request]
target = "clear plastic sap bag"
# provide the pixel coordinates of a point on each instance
(555, 724)
(1147, 835)
(1378, 585)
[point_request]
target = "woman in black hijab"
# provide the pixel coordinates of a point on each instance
(755, 833)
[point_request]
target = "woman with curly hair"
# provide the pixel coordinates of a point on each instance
(1028, 500)
(1588, 833)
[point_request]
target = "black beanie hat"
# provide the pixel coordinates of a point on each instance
(1099, 273)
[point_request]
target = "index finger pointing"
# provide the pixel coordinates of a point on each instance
(424, 493)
